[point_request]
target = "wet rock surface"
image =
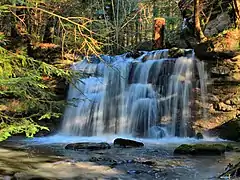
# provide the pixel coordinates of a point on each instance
(223, 99)
(88, 145)
(120, 142)
(134, 54)
(149, 162)
(200, 149)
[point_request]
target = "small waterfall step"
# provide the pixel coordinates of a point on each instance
(151, 95)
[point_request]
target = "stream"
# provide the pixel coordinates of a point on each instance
(47, 158)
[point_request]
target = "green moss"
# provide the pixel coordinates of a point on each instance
(229, 147)
(200, 149)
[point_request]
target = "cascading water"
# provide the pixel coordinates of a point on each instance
(150, 96)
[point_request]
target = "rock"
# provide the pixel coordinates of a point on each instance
(134, 172)
(127, 143)
(220, 71)
(157, 132)
(200, 149)
(229, 130)
(26, 176)
(134, 54)
(233, 101)
(228, 102)
(236, 58)
(6, 172)
(176, 52)
(218, 24)
(223, 107)
(88, 145)
(149, 163)
(212, 98)
(199, 136)
(8, 178)
(229, 147)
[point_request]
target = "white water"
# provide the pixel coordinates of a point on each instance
(63, 139)
(131, 97)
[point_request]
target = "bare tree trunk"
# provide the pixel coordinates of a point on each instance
(197, 24)
(236, 5)
(158, 33)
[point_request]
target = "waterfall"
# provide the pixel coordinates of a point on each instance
(150, 96)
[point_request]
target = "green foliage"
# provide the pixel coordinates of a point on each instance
(25, 94)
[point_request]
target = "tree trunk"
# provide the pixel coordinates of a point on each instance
(158, 34)
(236, 5)
(49, 31)
(197, 24)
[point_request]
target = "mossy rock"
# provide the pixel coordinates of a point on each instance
(200, 149)
(229, 147)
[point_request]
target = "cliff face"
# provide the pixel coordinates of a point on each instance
(223, 99)
(221, 54)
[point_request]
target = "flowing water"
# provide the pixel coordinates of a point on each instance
(47, 158)
(150, 96)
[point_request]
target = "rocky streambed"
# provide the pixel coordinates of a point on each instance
(155, 160)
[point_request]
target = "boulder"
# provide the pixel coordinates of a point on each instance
(230, 147)
(157, 132)
(200, 149)
(199, 136)
(229, 130)
(127, 143)
(219, 24)
(88, 146)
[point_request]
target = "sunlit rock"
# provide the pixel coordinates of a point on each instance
(223, 107)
